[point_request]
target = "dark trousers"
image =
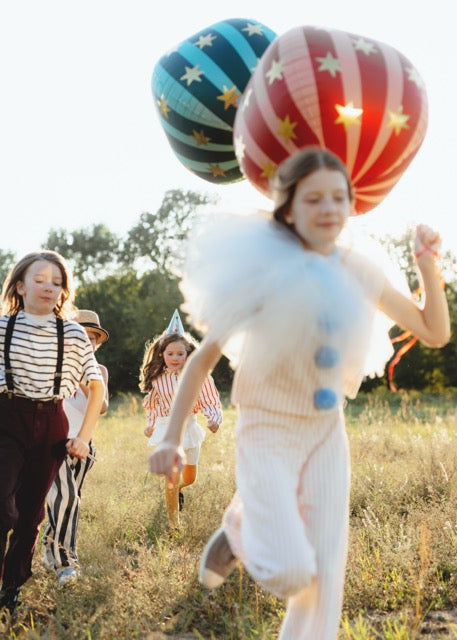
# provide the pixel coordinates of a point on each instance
(32, 448)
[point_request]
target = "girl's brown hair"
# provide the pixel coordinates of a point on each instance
(298, 166)
(153, 361)
(12, 302)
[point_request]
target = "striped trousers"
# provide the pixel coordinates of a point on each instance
(288, 521)
(62, 507)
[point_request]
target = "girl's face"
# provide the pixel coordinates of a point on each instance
(175, 355)
(93, 337)
(319, 209)
(41, 287)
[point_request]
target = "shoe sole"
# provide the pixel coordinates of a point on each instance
(208, 578)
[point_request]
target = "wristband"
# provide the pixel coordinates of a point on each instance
(424, 249)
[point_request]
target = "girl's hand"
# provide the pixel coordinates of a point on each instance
(212, 426)
(167, 460)
(148, 431)
(78, 448)
(427, 241)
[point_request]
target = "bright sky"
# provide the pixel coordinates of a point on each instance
(81, 142)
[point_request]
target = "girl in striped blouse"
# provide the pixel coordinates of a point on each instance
(43, 358)
(305, 305)
(159, 378)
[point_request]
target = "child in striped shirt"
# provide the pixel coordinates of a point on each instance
(305, 306)
(163, 362)
(43, 358)
(63, 501)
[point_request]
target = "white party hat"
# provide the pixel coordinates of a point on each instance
(175, 325)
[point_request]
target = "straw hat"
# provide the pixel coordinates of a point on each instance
(90, 320)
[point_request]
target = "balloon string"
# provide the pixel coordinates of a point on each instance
(398, 356)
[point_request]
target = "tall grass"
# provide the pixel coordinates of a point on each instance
(139, 579)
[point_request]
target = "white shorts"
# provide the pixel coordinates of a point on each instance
(192, 439)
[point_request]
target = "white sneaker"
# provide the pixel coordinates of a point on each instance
(217, 561)
(66, 575)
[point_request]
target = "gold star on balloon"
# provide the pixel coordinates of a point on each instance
(398, 120)
(229, 97)
(205, 41)
(275, 72)
(216, 170)
(200, 137)
(268, 169)
(192, 74)
(163, 106)
(286, 128)
(330, 64)
(239, 148)
(253, 29)
(363, 45)
(348, 114)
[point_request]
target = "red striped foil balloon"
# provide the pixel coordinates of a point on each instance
(358, 97)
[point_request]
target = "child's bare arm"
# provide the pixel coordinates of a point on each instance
(79, 446)
(430, 324)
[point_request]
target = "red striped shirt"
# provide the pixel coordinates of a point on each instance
(160, 398)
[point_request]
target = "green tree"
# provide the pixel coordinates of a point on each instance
(156, 241)
(91, 253)
(134, 309)
(7, 260)
(422, 367)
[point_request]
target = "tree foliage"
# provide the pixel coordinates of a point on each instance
(157, 239)
(92, 253)
(422, 367)
(7, 260)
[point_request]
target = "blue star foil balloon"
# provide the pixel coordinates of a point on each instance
(197, 88)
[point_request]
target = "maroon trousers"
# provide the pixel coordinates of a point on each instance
(32, 448)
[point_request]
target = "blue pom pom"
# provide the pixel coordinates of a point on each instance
(327, 357)
(325, 399)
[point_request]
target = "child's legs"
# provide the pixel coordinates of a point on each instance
(47, 428)
(11, 463)
(184, 479)
(172, 502)
(189, 473)
(323, 497)
(274, 545)
(63, 507)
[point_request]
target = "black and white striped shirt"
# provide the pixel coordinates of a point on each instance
(33, 356)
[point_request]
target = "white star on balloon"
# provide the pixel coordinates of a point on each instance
(205, 41)
(275, 72)
(239, 148)
(253, 29)
(363, 45)
(246, 99)
(330, 64)
(414, 76)
(192, 74)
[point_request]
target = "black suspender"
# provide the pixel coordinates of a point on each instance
(8, 369)
(58, 373)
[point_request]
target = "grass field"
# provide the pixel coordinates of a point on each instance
(139, 580)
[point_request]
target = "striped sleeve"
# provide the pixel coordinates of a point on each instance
(209, 402)
(150, 405)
